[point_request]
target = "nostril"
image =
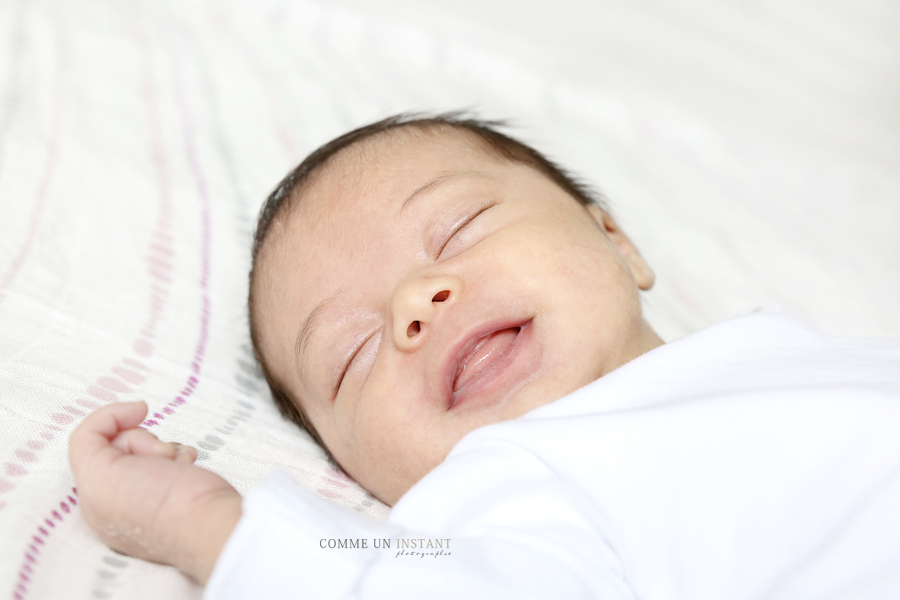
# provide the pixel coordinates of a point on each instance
(413, 329)
(441, 296)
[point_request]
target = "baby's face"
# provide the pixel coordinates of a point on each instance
(422, 288)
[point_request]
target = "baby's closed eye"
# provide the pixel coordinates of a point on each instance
(361, 351)
(457, 238)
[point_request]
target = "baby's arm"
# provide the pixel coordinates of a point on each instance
(145, 497)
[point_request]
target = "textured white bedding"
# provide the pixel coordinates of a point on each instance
(750, 150)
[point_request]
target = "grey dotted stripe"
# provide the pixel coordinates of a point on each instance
(108, 575)
(212, 442)
(248, 379)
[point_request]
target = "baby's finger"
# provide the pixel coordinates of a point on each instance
(142, 442)
(94, 434)
(185, 454)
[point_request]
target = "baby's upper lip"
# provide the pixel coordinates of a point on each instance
(463, 345)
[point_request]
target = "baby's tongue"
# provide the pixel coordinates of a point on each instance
(485, 353)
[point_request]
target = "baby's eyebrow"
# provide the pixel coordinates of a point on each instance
(438, 181)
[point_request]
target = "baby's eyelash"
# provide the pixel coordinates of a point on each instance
(353, 355)
(340, 381)
(464, 224)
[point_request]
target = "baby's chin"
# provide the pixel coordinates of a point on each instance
(394, 486)
(389, 480)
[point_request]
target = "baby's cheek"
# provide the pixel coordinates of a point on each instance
(538, 264)
(363, 426)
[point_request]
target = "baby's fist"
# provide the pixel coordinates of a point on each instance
(145, 497)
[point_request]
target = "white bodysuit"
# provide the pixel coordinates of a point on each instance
(754, 459)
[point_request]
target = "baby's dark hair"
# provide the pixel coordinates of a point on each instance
(290, 189)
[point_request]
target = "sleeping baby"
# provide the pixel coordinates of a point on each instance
(457, 321)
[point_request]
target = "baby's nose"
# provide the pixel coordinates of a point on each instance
(416, 304)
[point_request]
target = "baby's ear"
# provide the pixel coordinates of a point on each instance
(641, 271)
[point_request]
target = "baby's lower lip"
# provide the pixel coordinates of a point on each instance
(505, 359)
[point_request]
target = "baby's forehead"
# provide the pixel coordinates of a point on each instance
(370, 175)
(394, 154)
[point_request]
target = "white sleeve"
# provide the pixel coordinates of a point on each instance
(518, 534)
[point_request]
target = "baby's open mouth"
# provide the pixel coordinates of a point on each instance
(484, 354)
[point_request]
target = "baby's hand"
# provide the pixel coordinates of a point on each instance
(145, 497)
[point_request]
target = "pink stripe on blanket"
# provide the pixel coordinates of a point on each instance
(42, 533)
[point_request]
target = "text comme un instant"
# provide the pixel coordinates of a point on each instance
(401, 543)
